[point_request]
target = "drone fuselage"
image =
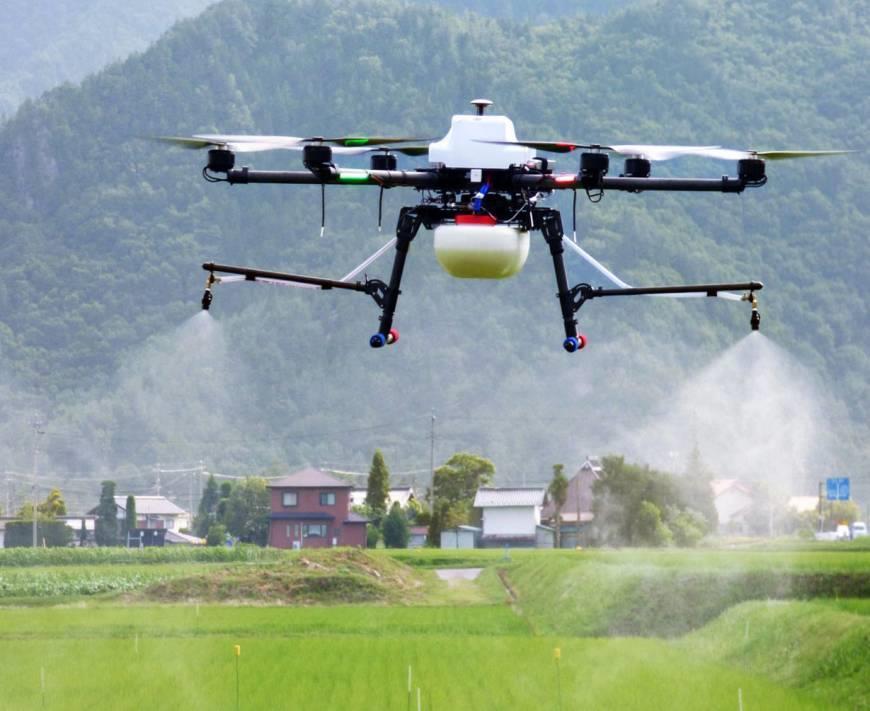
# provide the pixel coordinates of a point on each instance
(468, 144)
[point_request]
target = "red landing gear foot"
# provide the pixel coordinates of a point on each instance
(582, 341)
(393, 336)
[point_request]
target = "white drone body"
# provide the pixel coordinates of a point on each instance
(478, 142)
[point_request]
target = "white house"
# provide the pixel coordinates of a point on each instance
(400, 495)
(155, 512)
(733, 499)
(510, 516)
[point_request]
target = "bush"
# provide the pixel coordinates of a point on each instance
(688, 528)
(650, 530)
(373, 535)
(54, 534)
(217, 535)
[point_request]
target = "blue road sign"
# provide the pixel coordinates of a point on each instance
(838, 488)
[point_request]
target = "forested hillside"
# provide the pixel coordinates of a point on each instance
(48, 42)
(102, 234)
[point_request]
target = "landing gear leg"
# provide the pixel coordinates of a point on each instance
(406, 229)
(550, 222)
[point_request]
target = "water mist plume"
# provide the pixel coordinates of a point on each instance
(754, 413)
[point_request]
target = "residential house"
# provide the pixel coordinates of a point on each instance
(577, 513)
(733, 499)
(153, 512)
(399, 495)
(311, 509)
(512, 516)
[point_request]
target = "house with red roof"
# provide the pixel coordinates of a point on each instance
(311, 509)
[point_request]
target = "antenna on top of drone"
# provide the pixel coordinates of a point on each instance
(480, 105)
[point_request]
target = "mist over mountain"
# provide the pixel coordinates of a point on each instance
(49, 42)
(102, 234)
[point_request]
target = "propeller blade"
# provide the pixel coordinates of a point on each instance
(356, 151)
(409, 150)
(734, 154)
(182, 142)
(235, 143)
(785, 155)
(549, 146)
(660, 153)
(359, 141)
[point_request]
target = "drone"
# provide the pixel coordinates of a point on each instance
(482, 197)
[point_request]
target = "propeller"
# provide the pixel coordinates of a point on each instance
(655, 152)
(252, 143)
(733, 154)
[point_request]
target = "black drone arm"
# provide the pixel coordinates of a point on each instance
(435, 180)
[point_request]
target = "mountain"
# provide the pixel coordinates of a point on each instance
(49, 42)
(102, 232)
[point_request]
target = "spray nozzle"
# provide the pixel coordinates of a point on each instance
(207, 295)
(755, 318)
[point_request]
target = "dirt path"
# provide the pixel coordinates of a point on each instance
(456, 576)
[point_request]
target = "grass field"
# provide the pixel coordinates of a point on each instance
(704, 634)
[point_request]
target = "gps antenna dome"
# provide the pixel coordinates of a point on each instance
(480, 105)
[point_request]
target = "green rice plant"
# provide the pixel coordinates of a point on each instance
(457, 671)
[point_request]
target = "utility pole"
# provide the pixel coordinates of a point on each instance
(33, 490)
(432, 462)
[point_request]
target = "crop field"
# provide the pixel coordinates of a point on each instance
(487, 644)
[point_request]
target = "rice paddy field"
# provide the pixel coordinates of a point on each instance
(711, 629)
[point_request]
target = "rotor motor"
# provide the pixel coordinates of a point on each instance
(751, 171)
(221, 160)
(594, 165)
(636, 168)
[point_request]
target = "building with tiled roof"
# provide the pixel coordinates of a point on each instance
(311, 509)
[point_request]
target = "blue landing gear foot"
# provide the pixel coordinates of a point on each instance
(572, 344)
(378, 340)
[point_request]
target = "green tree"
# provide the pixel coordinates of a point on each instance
(53, 506)
(558, 491)
(129, 518)
(697, 489)
(106, 525)
(207, 511)
(634, 505)
(395, 527)
(247, 511)
(225, 492)
(458, 480)
(454, 486)
(378, 489)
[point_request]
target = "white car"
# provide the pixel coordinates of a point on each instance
(859, 530)
(843, 533)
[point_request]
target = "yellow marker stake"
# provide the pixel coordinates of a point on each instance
(557, 655)
(237, 651)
